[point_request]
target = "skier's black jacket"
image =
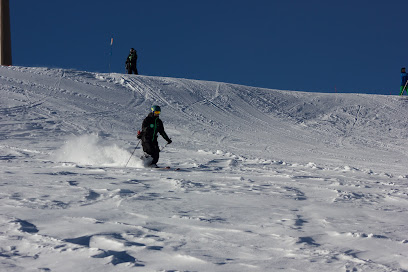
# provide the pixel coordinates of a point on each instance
(150, 127)
(131, 63)
(131, 60)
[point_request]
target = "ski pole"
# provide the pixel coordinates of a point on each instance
(404, 88)
(133, 152)
(164, 147)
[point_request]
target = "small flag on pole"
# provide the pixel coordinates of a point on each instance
(110, 54)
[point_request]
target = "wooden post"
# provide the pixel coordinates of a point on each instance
(5, 33)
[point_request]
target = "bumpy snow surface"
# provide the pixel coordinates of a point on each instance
(269, 180)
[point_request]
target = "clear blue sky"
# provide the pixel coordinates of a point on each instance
(305, 45)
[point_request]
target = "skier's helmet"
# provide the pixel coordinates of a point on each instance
(132, 50)
(156, 109)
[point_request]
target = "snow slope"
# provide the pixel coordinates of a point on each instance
(270, 180)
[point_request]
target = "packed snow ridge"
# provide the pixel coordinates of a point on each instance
(269, 179)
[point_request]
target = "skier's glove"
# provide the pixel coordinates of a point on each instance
(169, 141)
(139, 134)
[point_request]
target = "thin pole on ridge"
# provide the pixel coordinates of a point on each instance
(110, 54)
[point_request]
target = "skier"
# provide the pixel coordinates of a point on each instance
(150, 127)
(404, 79)
(131, 62)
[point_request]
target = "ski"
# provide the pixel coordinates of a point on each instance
(170, 168)
(167, 168)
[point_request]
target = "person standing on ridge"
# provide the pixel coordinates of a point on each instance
(404, 79)
(131, 62)
(150, 127)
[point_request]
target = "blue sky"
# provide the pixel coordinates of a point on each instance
(305, 45)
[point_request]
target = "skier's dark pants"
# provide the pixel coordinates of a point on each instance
(133, 69)
(152, 148)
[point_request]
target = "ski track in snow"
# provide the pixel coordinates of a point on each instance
(270, 180)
